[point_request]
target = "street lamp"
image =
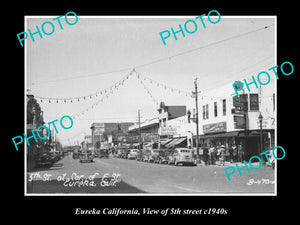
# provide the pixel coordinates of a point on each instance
(260, 119)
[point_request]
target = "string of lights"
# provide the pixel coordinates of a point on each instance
(147, 90)
(106, 96)
(174, 90)
(85, 97)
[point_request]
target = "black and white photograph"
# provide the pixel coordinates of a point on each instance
(151, 105)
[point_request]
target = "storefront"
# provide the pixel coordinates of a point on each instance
(177, 142)
(248, 141)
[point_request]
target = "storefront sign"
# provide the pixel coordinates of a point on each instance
(168, 130)
(214, 127)
(266, 124)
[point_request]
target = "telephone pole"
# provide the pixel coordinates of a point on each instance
(140, 136)
(197, 119)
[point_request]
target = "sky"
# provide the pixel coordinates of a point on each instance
(97, 52)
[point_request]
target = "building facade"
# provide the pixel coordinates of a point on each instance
(145, 132)
(34, 119)
(108, 134)
(225, 119)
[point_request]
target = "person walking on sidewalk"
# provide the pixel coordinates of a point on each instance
(222, 155)
(241, 153)
(234, 153)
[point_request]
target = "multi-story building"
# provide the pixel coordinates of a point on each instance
(229, 120)
(34, 120)
(147, 130)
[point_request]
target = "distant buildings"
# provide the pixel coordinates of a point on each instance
(108, 134)
(224, 119)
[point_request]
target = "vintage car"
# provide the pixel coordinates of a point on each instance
(103, 153)
(76, 155)
(181, 156)
(118, 153)
(150, 155)
(158, 156)
(133, 153)
(139, 156)
(44, 159)
(163, 156)
(124, 154)
(86, 156)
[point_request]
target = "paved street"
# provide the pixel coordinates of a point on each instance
(141, 177)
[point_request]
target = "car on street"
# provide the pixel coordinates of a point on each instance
(150, 155)
(103, 153)
(145, 155)
(158, 155)
(139, 156)
(133, 153)
(163, 156)
(124, 154)
(181, 156)
(86, 156)
(76, 155)
(44, 159)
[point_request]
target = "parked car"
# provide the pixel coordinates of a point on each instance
(76, 155)
(44, 159)
(145, 155)
(103, 153)
(86, 156)
(133, 154)
(181, 156)
(158, 155)
(124, 154)
(150, 155)
(139, 156)
(118, 153)
(163, 156)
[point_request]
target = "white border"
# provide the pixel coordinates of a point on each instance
(145, 194)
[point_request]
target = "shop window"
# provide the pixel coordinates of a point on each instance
(224, 107)
(215, 109)
(254, 102)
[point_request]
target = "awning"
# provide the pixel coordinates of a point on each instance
(163, 142)
(180, 140)
(175, 142)
(170, 144)
(227, 134)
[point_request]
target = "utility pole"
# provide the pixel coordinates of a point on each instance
(197, 119)
(140, 136)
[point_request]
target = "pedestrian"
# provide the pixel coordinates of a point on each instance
(218, 151)
(222, 155)
(210, 150)
(230, 149)
(234, 153)
(241, 152)
(205, 154)
(213, 155)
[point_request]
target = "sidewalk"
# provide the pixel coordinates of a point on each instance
(239, 164)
